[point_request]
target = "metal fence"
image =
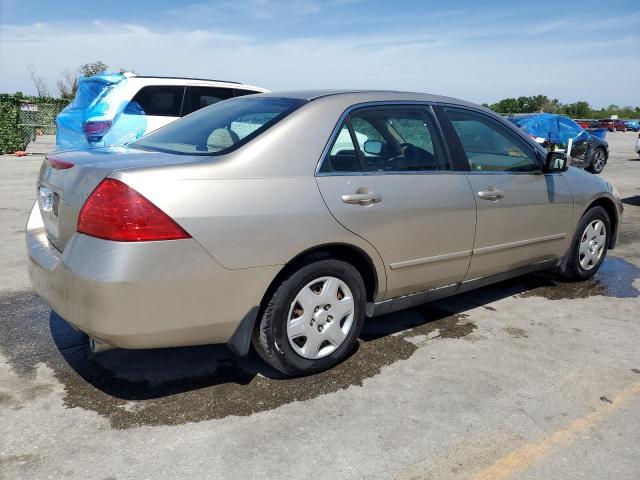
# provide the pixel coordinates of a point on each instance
(38, 119)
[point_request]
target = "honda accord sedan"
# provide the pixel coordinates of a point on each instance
(282, 220)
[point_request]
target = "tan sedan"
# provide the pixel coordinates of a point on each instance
(283, 220)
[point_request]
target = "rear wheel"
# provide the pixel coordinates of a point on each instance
(311, 322)
(599, 161)
(589, 245)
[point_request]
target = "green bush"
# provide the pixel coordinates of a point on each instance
(10, 133)
(13, 136)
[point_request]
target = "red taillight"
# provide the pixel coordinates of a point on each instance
(57, 163)
(115, 211)
(96, 130)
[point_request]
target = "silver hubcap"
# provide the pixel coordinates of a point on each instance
(592, 244)
(320, 317)
(599, 160)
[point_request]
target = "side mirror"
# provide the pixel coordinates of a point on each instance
(373, 147)
(556, 162)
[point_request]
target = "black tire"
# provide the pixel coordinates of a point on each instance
(573, 270)
(595, 166)
(270, 338)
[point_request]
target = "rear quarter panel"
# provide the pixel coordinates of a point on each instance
(260, 205)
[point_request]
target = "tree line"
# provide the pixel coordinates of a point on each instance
(67, 86)
(542, 103)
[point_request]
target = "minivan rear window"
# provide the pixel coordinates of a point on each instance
(219, 128)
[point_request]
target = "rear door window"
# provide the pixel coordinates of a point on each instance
(200, 97)
(388, 139)
(159, 100)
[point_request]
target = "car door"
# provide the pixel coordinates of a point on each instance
(386, 177)
(523, 215)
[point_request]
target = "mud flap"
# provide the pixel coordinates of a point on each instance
(240, 341)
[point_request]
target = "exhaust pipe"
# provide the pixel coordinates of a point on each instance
(98, 346)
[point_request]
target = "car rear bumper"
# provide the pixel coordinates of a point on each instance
(142, 294)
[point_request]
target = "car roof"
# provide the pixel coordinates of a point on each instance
(362, 96)
(154, 80)
(186, 78)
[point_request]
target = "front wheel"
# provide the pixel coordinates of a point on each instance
(311, 322)
(589, 245)
(599, 161)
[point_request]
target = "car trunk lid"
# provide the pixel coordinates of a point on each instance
(67, 179)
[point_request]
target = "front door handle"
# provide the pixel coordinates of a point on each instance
(362, 198)
(491, 193)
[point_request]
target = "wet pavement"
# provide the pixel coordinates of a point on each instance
(439, 391)
(215, 383)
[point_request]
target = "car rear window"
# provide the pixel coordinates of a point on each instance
(219, 128)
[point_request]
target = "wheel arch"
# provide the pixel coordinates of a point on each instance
(610, 207)
(240, 341)
(351, 254)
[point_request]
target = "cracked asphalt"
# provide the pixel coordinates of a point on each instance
(531, 378)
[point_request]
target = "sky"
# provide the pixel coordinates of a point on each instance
(480, 51)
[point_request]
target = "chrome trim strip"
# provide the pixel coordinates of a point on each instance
(423, 261)
(519, 243)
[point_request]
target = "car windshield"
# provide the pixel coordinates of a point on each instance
(219, 128)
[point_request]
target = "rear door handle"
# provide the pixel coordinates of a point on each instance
(491, 194)
(362, 198)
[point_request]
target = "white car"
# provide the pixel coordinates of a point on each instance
(638, 145)
(114, 109)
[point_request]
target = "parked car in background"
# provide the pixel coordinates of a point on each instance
(588, 150)
(113, 109)
(584, 123)
(612, 125)
(638, 145)
(284, 219)
(633, 125)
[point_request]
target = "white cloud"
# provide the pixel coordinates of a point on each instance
(226, 9)
(467, 63)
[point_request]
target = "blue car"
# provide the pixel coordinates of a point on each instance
(633, 125)
(589, 149)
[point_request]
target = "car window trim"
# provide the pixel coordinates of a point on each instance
(428, 106)
(184, 96)
(457, 155)
(533, 150)
(356, 144)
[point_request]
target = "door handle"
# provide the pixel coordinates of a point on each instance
(362, 198)
(491, 193)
